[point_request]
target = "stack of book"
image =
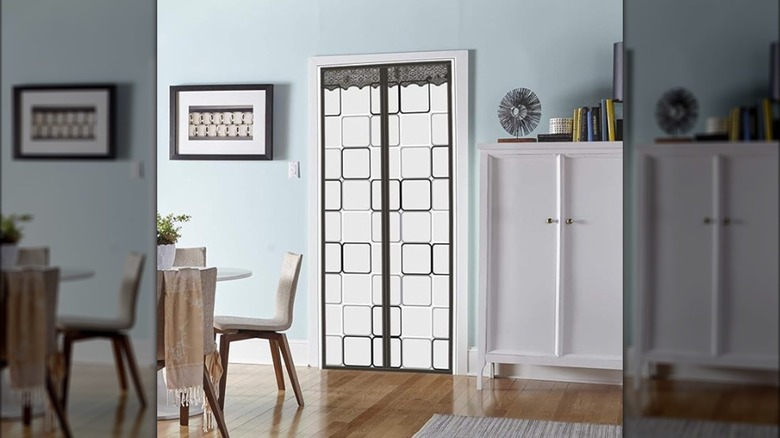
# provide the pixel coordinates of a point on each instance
(754, 123)
(598, 123)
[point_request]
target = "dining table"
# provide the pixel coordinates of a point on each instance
(166, 411)
(11, 407)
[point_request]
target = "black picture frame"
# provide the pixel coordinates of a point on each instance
(221, 122)
(64, 121)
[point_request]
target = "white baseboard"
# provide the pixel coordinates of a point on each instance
(100, 351)
(257, 351)
(702, 373)
(558, 374)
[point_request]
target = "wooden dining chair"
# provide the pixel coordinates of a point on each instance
(208, 282)
(195, 256)
(49, 277)
(33, 256)
(235, 328)
(76, 328)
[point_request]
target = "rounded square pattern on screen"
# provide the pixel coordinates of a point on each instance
(416, 194)
(357, 351)
(332, 226)
(332, 128)
(416, 258)
(356, 289)
(356, 163)
(441, 165)
(415, 99)
(333, 346)
(415, 129)
(356, 131)
(357, 258)
(356, 195)
(332, 289)
(440, 129)
(332, 102)
(416, 226)
(357, 320)
(417, 353)
(355, 101)
(356, 226)
(333, 320)
(416, 290)
(333, 163)
(415, 162)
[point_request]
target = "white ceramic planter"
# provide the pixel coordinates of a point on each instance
(9, 255)
(165, 256)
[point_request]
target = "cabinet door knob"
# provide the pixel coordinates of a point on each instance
(707, 220)
(569, 221)
(549, 220)
(726, 221)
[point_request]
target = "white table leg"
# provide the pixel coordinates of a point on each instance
(11, 404)
(166, 411)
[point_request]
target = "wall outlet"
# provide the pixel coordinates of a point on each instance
(136, 169)
(293, 169)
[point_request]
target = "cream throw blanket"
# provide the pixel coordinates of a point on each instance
(27, 339)
(184, 352)
(26, 335)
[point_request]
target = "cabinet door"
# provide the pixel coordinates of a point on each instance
(679, 259)
(522, 259)
(749, 257)
(592, 256)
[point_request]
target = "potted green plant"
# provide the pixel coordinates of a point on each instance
(167, 236)
(10, 235)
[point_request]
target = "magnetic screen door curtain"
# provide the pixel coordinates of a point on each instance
(386, 216)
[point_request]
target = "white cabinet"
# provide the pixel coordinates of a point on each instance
(707, 255)
(551, 257)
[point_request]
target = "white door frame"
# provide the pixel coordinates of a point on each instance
(460, 178)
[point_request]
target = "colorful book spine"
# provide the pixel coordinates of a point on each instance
(596, 120)
(603, 114)
(610, 119)
(734, 124)
(745, 115)
(583, 123)
(575, 134)
(589, 116)
(766, 118)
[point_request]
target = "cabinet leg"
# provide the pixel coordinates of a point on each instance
(492, 370)
(480, 371)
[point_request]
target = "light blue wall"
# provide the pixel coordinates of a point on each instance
(718, 50)
(249, 213)
(90, 214)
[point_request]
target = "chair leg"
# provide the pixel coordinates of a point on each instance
(184, 415)
(67, 351)
(58, 408)
(285, 348)
(208, 388)
(120, 364)
(133, 368)
(277, 363)
(224, 351)
(26, 413)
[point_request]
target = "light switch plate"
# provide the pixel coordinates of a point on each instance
(292, 169)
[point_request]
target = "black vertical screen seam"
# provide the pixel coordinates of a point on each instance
(322, 218)
(385, 153)
(451, 215)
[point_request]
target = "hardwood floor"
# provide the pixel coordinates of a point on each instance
(96, 408)
(704, 401)
(343, 403)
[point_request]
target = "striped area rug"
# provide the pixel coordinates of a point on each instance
(648, 427)
(452, 426)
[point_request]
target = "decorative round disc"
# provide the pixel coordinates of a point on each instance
(520, 111)
(676, 111)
